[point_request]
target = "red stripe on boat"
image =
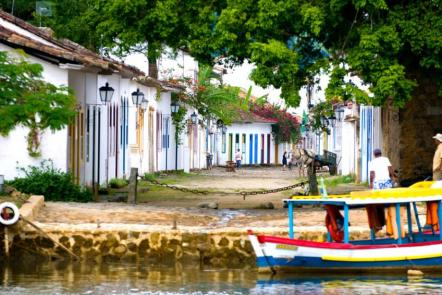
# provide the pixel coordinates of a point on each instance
(302, 243)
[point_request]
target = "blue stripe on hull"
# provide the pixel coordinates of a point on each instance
(322, 265)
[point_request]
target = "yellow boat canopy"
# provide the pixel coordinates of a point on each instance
(419, 192)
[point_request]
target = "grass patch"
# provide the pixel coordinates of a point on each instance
(158, 193)
(176, 177)
(334, 181)
(118, 183)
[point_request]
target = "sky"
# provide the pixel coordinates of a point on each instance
(239, 76)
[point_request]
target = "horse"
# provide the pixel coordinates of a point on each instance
(302, 158)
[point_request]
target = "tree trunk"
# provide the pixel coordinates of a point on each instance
(153, 67)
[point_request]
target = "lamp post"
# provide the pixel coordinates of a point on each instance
(106, 92)
(194, 121)
(2, 182)
(174, 107)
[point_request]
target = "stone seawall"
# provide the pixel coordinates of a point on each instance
(218, 248)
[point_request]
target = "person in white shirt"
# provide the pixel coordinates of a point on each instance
(238, 158)
(381, 171)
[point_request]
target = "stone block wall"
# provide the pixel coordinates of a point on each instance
(420, 120)
(408, 132)
(229, 249)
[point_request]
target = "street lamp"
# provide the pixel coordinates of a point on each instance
(339, 113)
(106, 93)
(194, 118)
(224, 129)
(144, 104)
(174, 107)
(324, 121)
(137, 97)
(332, 120)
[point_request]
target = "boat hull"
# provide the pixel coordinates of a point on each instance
(288, 255)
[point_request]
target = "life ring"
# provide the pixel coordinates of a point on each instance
(333, 214)
(9, 218)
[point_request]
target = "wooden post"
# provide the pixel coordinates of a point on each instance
(133, 181)
(346, 233)
(312, 180)
(291, 232)
(398, 222)
(6, 239)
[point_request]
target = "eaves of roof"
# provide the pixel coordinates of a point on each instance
(249, 117)
(67, 50)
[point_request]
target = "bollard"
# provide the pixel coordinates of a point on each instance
(133, 181)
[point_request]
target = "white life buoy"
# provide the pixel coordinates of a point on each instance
(12, 216)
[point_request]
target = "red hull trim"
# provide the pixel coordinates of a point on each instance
(302, 243)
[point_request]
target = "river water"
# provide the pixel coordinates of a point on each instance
(141, 278)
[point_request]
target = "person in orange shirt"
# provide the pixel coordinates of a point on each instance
(437, 159)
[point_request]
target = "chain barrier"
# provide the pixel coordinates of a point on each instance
(178, 188)
(241, 193)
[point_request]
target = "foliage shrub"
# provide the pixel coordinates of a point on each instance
(52, 183)
(341, 179)
(118, 183)
(151, 176)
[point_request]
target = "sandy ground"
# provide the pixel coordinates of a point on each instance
(164, 210)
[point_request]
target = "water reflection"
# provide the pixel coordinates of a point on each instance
(143, 278)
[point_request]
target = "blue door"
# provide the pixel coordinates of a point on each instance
(366, 136)
(251, 149)
(256, 150)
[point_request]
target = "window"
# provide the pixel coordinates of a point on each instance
(165, 132)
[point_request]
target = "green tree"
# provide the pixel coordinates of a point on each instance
(390, 44)
(210, 97)
(27, 100)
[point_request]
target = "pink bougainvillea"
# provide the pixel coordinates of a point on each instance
(287, 127)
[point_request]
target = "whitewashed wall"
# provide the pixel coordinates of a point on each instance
(247, 129)
(349, 145)
(13, 151)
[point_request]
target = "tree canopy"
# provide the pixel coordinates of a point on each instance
(389, 44)
(27, 100)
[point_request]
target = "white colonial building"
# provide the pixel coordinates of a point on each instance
(107, 138)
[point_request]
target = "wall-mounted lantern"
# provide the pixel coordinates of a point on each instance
(340, 114)
(144, 104)
(194, 118)
(332, 120)
(106, 93)
(174, 107)
(137, 97)
(224, 129)
(324, 121)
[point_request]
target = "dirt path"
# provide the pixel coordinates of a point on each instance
(160, 206)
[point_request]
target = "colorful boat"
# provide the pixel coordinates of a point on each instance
(413, 247)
